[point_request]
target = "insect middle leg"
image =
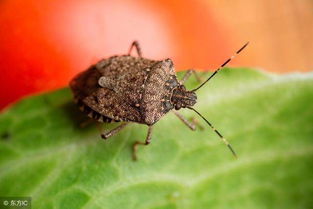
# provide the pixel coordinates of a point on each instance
(188, 74)
(137, 46)
(113, 131)
(137, 143)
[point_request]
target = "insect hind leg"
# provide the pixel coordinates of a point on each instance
(137, 46)
(137, 143)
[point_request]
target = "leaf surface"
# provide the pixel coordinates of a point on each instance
(268, 119)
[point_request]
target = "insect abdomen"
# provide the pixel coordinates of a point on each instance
(93, 114)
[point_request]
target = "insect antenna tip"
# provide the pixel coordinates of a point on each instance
(232, 151)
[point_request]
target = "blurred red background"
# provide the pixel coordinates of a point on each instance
(43, 44)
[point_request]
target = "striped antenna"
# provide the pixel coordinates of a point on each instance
(223, 65)
(217, 132)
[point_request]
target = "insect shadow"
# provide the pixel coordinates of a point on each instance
(79, 120)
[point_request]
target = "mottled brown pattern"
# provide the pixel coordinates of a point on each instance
(136, 89)
(156, 92)
(126, 88)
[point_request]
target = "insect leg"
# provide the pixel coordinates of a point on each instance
(113, 131)
(86, 122)
(138, 49)
(188, 74)
(148, 140)
(196, 122)
(190, 125)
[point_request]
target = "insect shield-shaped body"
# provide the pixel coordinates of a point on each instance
(129, 89)
(132, 89)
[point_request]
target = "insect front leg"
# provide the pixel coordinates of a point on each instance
(137, 143)
(188, 74)
(188, 123)
(137, 46)
(191, 124)
(197, 123)
(113, 131)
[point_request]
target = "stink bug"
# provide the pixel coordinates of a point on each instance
(135, 89)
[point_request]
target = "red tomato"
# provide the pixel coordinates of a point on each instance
(43, 44)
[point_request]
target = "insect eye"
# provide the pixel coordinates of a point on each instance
(177, 106)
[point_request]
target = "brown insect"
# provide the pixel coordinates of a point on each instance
(135, 89)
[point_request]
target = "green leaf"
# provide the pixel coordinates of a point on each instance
(268, 119)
